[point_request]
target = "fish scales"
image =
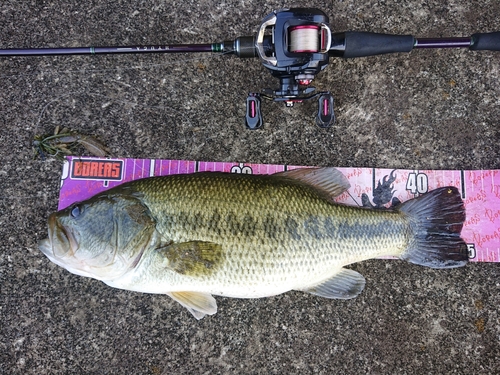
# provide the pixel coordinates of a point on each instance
(191, 236)
(274, 233)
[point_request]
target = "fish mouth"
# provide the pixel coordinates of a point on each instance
(61, 241)
(45, 247)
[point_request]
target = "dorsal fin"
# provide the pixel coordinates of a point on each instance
(328, 180)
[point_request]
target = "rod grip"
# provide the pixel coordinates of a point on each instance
(360, 44)
(486, 41)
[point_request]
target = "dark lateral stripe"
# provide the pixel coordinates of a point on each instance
(312, 227)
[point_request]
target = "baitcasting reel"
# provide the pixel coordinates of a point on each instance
(294, 45)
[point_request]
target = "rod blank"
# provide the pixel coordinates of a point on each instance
(174, 48)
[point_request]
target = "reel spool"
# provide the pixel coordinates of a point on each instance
(304, 39)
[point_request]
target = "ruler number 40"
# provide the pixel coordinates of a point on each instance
(417, 183)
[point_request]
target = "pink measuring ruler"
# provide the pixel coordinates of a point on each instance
(370, 187)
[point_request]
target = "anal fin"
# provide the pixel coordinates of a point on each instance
(198, 304)
(345, 284)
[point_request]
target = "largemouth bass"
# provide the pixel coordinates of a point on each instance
(247, 236)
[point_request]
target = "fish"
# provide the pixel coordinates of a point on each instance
(193, 236)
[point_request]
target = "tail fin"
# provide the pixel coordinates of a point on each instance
(437, 219)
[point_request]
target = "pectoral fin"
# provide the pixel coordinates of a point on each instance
(194, 258)
(198, 304)
(344, 285)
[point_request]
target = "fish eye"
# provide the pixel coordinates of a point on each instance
(76, 211)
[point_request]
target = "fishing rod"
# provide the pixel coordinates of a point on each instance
(294, 45)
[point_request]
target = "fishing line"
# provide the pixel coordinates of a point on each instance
(355, 201)
(304, 39)
(107, 70)
(119, 101)
(47, 105)
(93, 71)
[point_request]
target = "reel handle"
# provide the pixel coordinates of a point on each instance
(360, 44)
(352, 44)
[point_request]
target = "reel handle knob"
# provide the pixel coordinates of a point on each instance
(253, 117)
(326, 116)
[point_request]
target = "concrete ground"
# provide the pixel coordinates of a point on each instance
(427, 109)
